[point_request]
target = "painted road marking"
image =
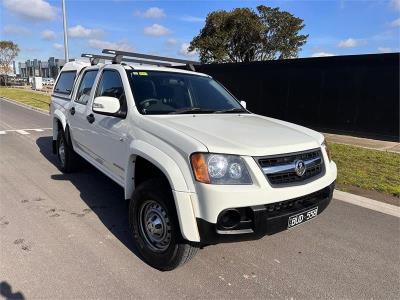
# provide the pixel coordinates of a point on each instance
(21, 131)
(24, 131)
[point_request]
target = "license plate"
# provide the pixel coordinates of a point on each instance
(302, 217)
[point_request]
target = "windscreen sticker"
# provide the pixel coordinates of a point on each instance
(143, 73)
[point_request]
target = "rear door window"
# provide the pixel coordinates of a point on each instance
(86, 86)
(65, 83)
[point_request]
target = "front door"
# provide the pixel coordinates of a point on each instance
(107, 134)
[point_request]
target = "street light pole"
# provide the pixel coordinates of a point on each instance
(65, 32)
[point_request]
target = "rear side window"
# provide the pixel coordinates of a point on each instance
(85, 87)
(65, 83)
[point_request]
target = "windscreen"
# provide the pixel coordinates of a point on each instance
(157, 92)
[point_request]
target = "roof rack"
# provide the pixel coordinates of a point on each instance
(123, 56)
(95, 59)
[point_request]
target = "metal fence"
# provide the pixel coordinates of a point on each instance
(356, 94)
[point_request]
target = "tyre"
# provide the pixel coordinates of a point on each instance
(66, 155)
(155, 227)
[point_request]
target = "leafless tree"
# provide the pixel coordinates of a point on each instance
(8, 52)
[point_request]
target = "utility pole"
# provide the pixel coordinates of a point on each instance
(65, 32)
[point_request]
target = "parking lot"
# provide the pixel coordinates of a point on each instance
(65, 236)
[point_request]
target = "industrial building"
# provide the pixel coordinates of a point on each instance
(38, 68)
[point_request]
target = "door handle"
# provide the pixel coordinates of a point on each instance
(90, 118)
(123, 137)
(72, 110)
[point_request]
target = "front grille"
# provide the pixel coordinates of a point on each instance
(296, 204)
(281, 169)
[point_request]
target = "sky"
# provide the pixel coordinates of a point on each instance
(167, 27)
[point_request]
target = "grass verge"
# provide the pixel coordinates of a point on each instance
(26, 97)
(367, 169)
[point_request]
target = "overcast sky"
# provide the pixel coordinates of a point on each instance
(166, 27)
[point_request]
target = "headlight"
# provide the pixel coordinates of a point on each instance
(326, 147)
(219, 169)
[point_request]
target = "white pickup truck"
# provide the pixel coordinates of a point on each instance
(197, 167)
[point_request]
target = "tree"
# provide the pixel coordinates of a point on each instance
(8, 52)
(244, 35)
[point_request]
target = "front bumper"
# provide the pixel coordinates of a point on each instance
(260, 220)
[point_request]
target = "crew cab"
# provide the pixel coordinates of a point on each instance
(197, 167)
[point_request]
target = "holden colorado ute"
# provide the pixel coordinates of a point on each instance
(197, 167)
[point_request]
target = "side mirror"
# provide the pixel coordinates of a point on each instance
(106, 105)
(244, 104)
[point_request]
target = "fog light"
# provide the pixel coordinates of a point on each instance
(229, 219)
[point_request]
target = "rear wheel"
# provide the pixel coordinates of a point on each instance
(65, 153)
(155, 228)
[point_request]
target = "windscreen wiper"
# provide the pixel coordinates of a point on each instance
(230, 110)
(189, 110)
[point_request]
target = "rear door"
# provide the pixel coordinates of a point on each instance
(78, 111)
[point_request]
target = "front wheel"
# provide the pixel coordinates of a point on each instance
(65, 153)
(155, 228)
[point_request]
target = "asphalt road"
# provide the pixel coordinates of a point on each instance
(65, 236)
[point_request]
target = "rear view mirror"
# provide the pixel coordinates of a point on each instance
(106, 105)
(243, 103)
